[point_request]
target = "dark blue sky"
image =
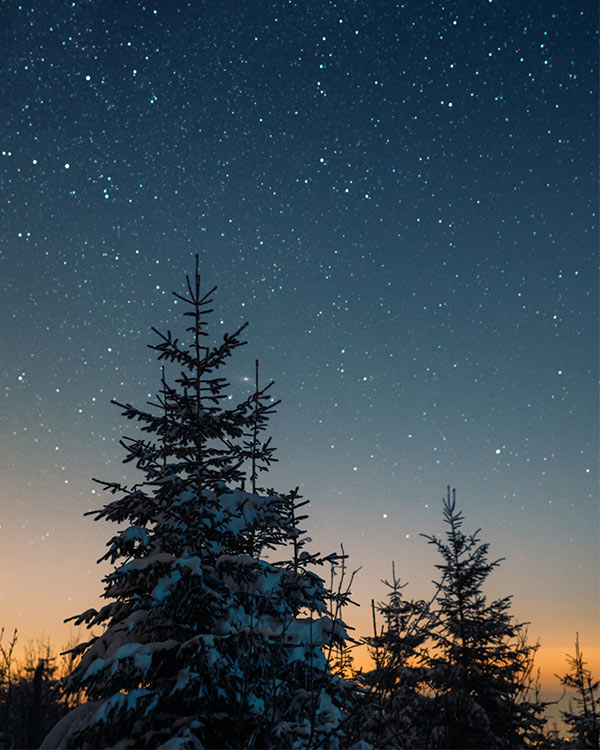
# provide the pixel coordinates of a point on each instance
(402, 200)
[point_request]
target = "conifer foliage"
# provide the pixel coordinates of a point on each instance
(480, 667)
(218, 630)
(582, 718)
(396, 707)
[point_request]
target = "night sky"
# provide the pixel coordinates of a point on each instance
(401, 198)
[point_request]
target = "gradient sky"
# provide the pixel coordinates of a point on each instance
(401, 198)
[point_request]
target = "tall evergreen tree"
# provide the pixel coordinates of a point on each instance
(583, 719)
(480, 666)
(218, 630)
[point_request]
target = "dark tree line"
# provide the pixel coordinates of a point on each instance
(31, 697)
(222, 628)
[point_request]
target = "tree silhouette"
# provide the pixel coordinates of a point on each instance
(218, 630)
(480, 667)
(395, 702)
(583, 720)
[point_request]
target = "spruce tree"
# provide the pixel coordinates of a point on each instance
(396, 711)
(583, 719)
(480, 665)
(218, 630)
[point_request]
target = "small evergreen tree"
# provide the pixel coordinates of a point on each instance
(584, 720)
(480, 666)
(218, 629)
(396, 712)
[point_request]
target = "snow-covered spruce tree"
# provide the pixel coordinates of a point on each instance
(583, 719)
(480, 666)
(395, 711)
(218, 629)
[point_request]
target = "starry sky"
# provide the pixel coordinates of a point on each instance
(400, 197)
